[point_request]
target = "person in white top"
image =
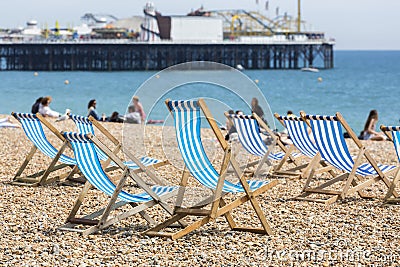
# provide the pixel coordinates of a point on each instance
(45, 110)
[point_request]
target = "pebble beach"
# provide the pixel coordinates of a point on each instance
(352, 232)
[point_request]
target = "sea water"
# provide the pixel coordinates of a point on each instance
(360, 81)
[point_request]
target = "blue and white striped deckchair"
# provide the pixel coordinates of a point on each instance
(187, 119)
(328, 135)
(249, 133)
(32, 126)
(393, 133)
(85, 125)
(297, 130)
(88, 162)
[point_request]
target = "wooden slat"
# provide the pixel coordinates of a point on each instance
(159, 234)
(250, 229)
(311, 199)
(194, 212)
(83, 221)
(323, 191)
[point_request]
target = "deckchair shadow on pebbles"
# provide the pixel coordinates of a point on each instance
(249, 133)
(32, 126)
(297, 130)
(187, 119)
(393, 133)
(328, 134)
(89, 165)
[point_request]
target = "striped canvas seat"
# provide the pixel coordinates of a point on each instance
(187, 126)
(89, 164)
(297, 130)
(85, 126)
(34, 131)
(395, 131)
(250, 137)
(328, 135)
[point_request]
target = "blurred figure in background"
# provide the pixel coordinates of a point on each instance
(92, 110)
(139, 108)
(35, 106)
(255, 107)
(45, 110)
(369, 132)
(115, 117)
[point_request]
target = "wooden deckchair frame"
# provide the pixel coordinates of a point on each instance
(42, 177)
(390, 198)
(276, 169)
(313, 163)
(105, 220)
(351, 185)
(119, 147)
(218, 205)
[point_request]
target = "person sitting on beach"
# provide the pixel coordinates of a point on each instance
(139, 108)
(45, 110)
(35, 106)
(92, 110)
(132, 116)
(290, 114)
(230, 128)
(115, 117)
(369, 132)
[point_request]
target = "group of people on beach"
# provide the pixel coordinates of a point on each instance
(135, 113)
(368, 133)
(231, 130)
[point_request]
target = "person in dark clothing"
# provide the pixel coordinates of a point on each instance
(35, 106)
(115, 117)
(92, 110)
(255, 107)
(229, 125)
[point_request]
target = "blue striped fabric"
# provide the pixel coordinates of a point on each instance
(396, 142)
(187, 121)
(330, 142)
(249, 135)
(89, 164)
(146, 161)
(34, 131)
(85, 126)
(297, 131)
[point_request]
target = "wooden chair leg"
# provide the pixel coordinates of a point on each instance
(310, 170)
(392, 186)
(261, 164)
(79, 200)
(285, 158)
(114, 198)
(144, 214)
(26, 162)
(191, 228)
(228, 215)
(352, 174)
(53, 163)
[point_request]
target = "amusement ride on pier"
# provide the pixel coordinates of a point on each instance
(154, 41)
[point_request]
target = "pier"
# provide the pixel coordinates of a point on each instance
(129, 56)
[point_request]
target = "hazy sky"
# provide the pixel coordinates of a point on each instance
(355, 24)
